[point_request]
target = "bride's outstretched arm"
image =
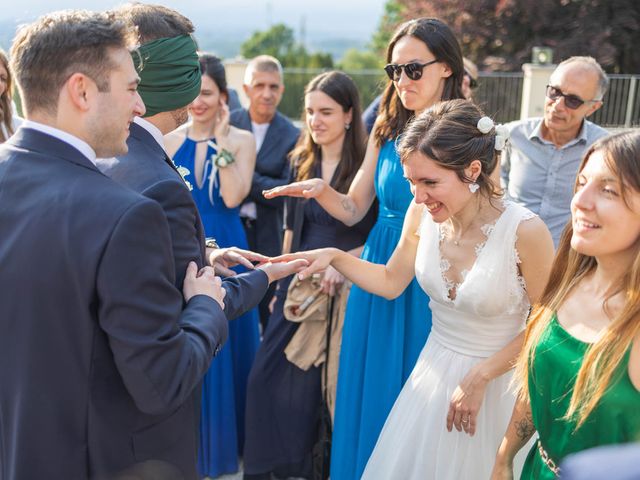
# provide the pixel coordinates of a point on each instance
(388, 280)
(535, 250)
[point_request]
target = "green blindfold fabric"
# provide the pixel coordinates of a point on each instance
(169, 73)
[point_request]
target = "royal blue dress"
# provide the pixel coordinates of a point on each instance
(224, 386)
(381, 339)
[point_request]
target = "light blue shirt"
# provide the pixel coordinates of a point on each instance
(540, 176)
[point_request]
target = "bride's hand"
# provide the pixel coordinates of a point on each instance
(318, 260)
(466, 402)
(311, 188)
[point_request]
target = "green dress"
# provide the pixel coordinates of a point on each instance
(615, 419)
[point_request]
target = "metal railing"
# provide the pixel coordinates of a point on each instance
(621, 104)
(369, 83)
(499, 95)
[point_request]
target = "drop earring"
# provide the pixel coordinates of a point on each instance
(347, 126)
(473, 187)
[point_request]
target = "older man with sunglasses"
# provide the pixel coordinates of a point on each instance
(539, 168)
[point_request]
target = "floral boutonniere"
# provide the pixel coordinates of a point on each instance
(183, 171)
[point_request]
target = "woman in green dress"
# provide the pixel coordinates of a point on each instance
(579, 371)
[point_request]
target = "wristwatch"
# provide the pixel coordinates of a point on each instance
(210, 242)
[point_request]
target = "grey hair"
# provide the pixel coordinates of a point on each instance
(590, 62)
(262, 63)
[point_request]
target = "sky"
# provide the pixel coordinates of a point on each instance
(325, 18)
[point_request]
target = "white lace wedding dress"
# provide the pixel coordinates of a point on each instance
(488, 311)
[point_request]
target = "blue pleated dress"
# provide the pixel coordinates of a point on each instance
(382, 339)
(224, 386)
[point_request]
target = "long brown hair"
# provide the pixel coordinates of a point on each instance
(341, 88)
(622, 154)
(440, 41)
(6, 110)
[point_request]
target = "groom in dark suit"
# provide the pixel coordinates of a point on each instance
(99, 354)
(168, 66)
(275, 137)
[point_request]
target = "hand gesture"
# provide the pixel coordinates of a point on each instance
(222, 124)
(318, 260)
(222, 259)
(311, 188)
(465, 403)
(203, 282)
(276, 271)
(332, 281)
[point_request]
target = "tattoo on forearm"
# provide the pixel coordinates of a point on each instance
(348, 206)
(525, 428)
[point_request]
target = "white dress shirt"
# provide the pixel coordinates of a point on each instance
(66, 137)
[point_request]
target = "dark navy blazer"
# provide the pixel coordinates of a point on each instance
(272, 170)
(147, 169)
(99, 358)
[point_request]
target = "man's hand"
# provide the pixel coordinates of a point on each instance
(203, 282)
(222, 259)
(276, 271)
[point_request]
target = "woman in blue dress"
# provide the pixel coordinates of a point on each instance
(217, 161)
(283, 400)
(382, 339)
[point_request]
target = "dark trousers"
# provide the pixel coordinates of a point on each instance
(263, 306)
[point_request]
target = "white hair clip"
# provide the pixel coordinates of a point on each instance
(485, 125)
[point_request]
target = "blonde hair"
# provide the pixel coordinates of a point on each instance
(596, 373)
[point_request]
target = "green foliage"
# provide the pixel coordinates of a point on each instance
(279, 42)
(499, 34)
(355, 59)
(394, 14)
(369, 83)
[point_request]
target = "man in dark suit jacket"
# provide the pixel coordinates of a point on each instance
(147, 169)
(99, 356)
(275, 137)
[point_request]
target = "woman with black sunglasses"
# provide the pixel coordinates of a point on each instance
(382, 339)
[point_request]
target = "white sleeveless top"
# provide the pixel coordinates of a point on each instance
(491, 305)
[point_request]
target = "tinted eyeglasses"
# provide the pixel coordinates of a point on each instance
(412, 70)
(571, 101)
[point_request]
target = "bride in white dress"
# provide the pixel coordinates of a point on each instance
(482, 261)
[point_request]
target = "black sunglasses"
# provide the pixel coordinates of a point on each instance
(571, 101)
(412, 70)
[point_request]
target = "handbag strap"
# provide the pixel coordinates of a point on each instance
(330, 304)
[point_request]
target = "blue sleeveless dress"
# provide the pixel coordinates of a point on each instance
(224, 386)
(382, 339)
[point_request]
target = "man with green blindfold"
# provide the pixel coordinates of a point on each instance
(170, 79)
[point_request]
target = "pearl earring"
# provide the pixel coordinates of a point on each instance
(347, 126)
(473, 187)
